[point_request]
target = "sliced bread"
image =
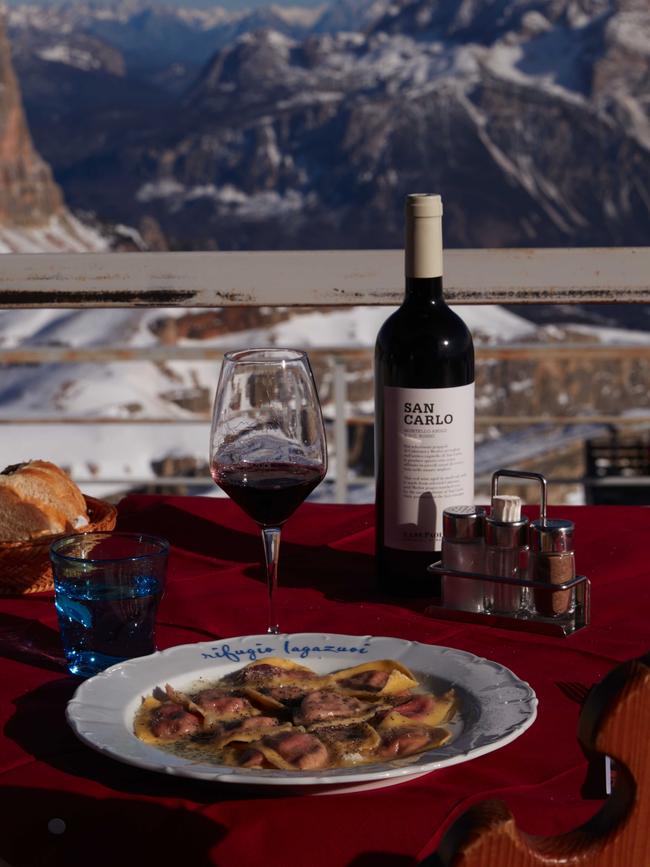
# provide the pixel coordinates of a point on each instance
(37, 498)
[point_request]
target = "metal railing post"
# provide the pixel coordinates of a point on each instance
(340, 432)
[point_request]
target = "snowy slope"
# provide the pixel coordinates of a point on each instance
(139, 391)
(62, 234)
(136, 389)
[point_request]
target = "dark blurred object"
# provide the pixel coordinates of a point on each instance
(618, 469)
(616, 712)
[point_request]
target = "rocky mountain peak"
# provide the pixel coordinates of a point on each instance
(33, 215)
(256, 58)
(28, 194)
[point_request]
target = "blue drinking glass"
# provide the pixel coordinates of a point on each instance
(107, 588)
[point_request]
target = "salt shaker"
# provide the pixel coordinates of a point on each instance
(552, 561)
(506, 555)
(463, 549)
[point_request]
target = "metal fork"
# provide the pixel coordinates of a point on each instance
(574, 690)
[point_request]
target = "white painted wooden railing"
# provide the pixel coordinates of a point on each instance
(320, 278)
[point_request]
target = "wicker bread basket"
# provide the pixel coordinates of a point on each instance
(25, 566)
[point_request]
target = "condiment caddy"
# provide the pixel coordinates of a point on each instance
(500, 568)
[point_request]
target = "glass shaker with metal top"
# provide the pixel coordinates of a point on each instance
(463, 549)
(507, 545)
(552, 561)
(506, 555)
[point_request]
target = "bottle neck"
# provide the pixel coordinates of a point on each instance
(423, 248)
(424, 289)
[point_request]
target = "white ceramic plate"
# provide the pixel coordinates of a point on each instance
(495, 706)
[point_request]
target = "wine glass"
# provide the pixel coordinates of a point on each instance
(267, 443)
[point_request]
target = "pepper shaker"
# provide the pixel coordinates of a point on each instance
(552, 560)
(463, 549)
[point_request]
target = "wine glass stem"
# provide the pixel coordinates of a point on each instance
(271, 540)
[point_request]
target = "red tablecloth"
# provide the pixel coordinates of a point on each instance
(117, 814)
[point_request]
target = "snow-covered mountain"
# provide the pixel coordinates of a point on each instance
(305, 128)
(182, 390)
(162, 44)
(119, 389)
(530, 117)
(138, 391)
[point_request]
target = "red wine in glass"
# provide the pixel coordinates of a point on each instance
(267, 443)
(269, 493)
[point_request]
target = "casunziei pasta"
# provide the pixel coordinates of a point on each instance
(279, 714)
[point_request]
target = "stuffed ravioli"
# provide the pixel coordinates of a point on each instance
(279, 714)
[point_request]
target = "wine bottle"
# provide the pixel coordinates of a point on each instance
(424, 413)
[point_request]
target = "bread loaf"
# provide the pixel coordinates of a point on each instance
(37, 499)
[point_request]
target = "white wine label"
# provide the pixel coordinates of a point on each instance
(428, 462)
